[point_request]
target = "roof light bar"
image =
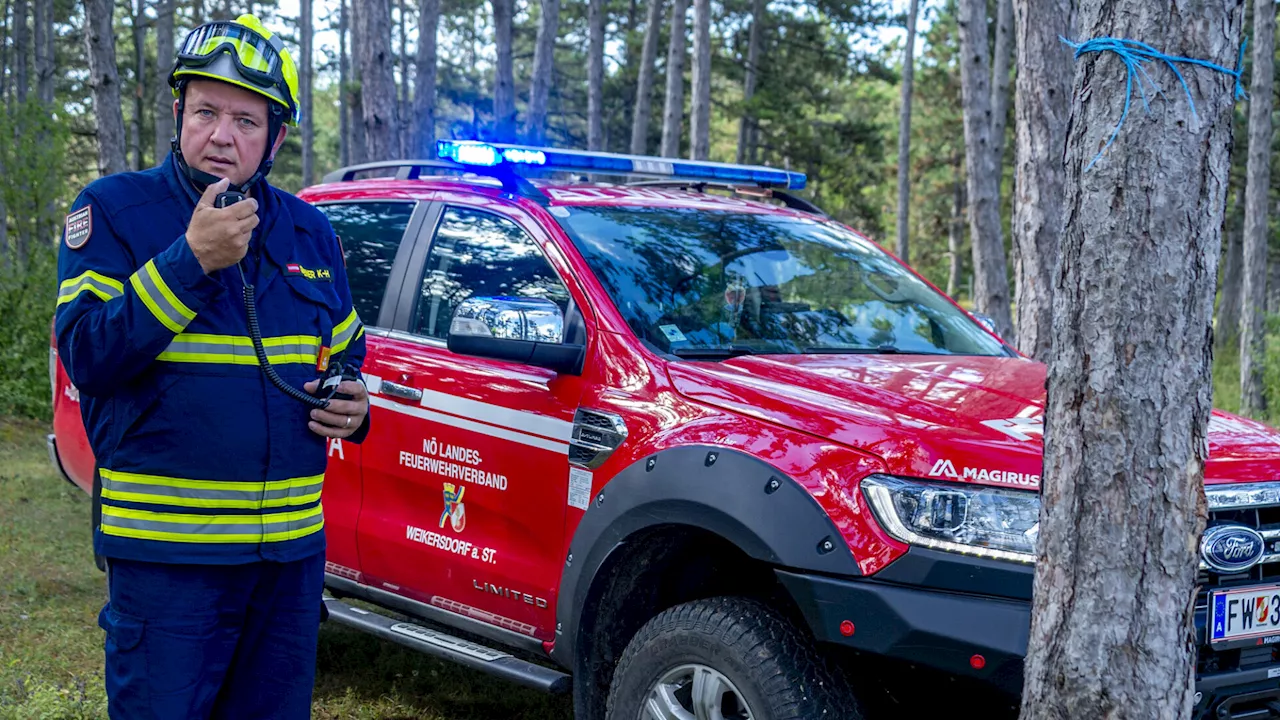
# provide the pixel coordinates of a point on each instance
(479, 154)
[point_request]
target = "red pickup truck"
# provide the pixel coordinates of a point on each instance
(683, 445)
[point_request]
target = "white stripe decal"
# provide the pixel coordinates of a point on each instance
(457, 422)
(522, 421)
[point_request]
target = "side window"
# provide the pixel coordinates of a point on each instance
(482, 254)
(370, 235)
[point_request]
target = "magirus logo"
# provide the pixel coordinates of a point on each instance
(946, 468)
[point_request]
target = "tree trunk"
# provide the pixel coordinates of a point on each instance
(1273, 287)
(344, 90)
(955, 229)
(139, 80)
(904, 136)
(1252, 329)
(673, 108)
(359, 145)
(163, 97)
(378, 84)
(700, 107)
(1226, 332)
(1129, 386)
(424, 97)
(44, 52)
(21, 51)
(595, 75)
(535, 127)
(305, 23)
(100, 44)
(402, 106)
(504, 93)
(759, 8)
(644, 83)
(1040, 107)
(990, 269)
(1001, 58)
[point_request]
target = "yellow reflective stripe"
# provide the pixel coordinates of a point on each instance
(339, 347)
(102, 294)
(193, 518)
(138, 497)
(209, 484)
(145, 296)
(225, 539)
(238, 350)
(109, 282)
(342, 326)
(146, 525)
(177, 304)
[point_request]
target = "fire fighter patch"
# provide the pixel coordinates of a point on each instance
(313, 274)
(79, 227)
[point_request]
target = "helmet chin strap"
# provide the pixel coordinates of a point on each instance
(201, 179)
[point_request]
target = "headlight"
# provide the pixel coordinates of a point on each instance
(970, 519)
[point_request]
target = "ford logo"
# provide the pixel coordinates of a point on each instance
(1231, 548)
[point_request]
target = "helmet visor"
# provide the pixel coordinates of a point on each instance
(255, 57)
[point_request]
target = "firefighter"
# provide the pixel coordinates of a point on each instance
(201, 400)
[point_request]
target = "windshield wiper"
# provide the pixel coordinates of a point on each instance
(881, 350)
(693, 353)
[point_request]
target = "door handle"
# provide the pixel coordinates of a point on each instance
(401, 391)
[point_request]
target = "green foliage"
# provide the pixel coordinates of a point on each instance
(1226, 376)
(27, 294)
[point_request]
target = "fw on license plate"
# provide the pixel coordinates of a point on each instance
(1243, 613)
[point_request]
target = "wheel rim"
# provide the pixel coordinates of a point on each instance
(695, 692)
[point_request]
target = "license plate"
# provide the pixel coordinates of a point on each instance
(1244, 613)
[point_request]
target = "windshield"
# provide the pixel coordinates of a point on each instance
(701, 282)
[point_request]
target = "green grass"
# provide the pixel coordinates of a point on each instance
(51, 646)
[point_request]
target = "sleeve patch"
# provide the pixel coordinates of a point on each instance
(79, 227)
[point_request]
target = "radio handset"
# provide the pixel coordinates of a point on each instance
(232, 197)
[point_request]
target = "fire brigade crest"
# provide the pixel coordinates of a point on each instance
(454, 511)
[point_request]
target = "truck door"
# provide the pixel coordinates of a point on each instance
(466, 478)
(371, 234)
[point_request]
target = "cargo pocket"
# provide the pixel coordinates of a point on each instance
(126, 663)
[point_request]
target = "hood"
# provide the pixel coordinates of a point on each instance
(979, 419)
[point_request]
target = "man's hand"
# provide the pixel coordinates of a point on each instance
(343, 417)
(219, 237)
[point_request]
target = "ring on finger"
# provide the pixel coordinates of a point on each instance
(347, 424)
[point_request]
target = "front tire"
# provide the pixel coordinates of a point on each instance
(725, 658)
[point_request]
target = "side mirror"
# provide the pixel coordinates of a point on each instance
(519, 329)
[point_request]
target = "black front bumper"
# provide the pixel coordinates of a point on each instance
(938, 611)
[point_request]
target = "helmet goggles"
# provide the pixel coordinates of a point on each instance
(257, 58)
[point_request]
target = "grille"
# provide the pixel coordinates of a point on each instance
(1255, 505)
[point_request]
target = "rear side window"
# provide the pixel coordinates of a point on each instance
(370, 235)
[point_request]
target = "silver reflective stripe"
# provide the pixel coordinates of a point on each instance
(344, 336)
(238, 350)
(158, 300)
(252, 525)
(87, 282)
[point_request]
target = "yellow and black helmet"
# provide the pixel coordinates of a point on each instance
(243, 53)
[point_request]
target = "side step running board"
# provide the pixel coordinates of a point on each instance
(447, 647)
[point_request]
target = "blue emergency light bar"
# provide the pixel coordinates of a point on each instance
(481, 154)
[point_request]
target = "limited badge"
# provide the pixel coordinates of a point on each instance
(79, 227)
(312, 274)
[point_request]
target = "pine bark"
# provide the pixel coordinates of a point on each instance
(21, 51)
(1226, 331)
(378, 85)
(700, 107)
(644, 82)
(344, 90)
(535, 126)
(402, 104)
(504, 94)
(1129, 385)
(990, 268)
(1000, 59)
(305, 75)
(746, 124)
(595, 75)
(673, 107)
(424, 82)
(1040, 127)
(955, 229)
(139, 81)
(100, 44)
(904, 136)
(43, 25)
(359, 146)
(163, 97)
(1252, 329)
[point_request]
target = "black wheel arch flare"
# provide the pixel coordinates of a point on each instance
(746, 501)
